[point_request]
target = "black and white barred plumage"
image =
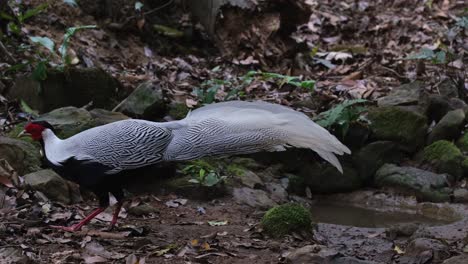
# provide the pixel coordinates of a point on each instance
(219, 129)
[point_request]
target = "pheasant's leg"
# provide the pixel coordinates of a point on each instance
(115, 216)
(77, 227)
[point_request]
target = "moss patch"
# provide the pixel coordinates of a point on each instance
(178, 111)
(396, 124)
(284, 219)
(445, 156)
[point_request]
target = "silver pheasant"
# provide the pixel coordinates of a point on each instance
(92, 157)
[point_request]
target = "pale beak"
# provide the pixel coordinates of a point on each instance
(23, 134)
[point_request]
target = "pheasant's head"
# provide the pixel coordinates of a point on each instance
(35, 129)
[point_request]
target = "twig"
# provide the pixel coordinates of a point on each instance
(102, 234)
(3, 49)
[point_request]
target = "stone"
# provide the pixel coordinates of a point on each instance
(324, 178)
(448, 88)
(438, 107)
(73, 87)
(457, 259)
(102, 116)
(445, 157)
(178, 111)
(50, 184)
(419, 246)
(404, 95)
(408, 128)
(425, 185)
(68, 121)
(182, 186)
(253, 197)
(312, 254)
(449, 127)
(277, 192)
(285, 219)
(371, 157)
(251, 179)
(141, 210)
(22, 156)
(460, 195)
(146, 101)
(357, 135)
(296, 184)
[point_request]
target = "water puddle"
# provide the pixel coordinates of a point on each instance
(354, 216)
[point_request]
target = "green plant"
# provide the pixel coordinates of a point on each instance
(16, 21)
(341, 116)
(282, 79)
(203, 173)
(40, 70)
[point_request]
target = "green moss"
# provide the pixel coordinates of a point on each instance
(178, 111)
(465, 166)
(445, 156)
(284, 219)
(400, 125)
(235, 169)
(462, 142)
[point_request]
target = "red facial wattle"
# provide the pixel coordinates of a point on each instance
(34, 130)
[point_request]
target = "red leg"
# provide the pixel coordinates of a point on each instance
(115, 216)
(83, 222)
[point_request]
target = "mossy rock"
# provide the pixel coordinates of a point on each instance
(146, 101)
(445, 156)
(22, 156)
(449, 127)
(284, 219)
(406, 127)
(178, 111)
(73, 87)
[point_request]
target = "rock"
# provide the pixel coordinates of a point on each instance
(50, 184)
(146, 101)
(371, 157)
(408, 128)
(141, 210)
(448, 88)
(253, 198)
(445, 157)
(324, 178)
(277, 192)
(449, 127)
(424, 184)
(296, 184)
(438, 107)
(418, 247)
(73, 87)
(285, 219)
(460, 195)
(182, 186)
(357, 135)
(22, 156)
(404, 229)
(102, 116)
(178, 111)
(456, 260)
(312, 254)
(68, 121)
(404, 95)
(251, 180)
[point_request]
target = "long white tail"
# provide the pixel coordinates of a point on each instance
(238, 127)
